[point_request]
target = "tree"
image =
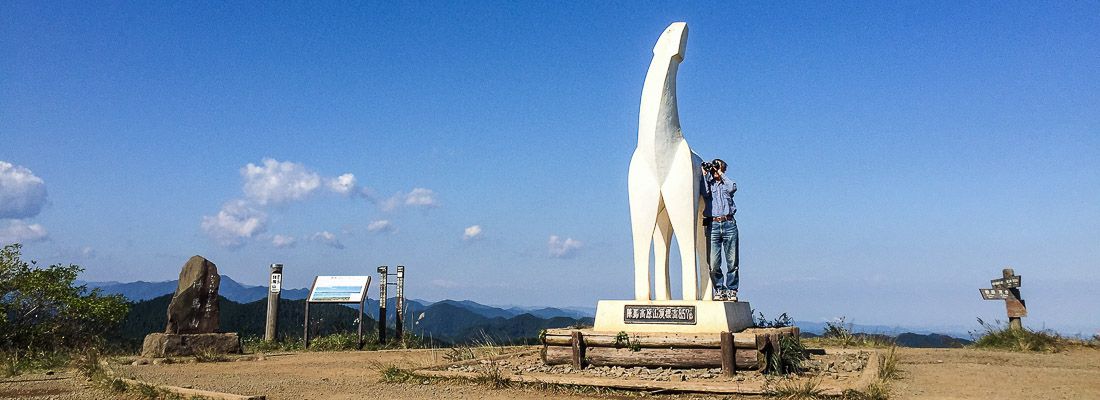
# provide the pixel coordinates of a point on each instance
(45, 311)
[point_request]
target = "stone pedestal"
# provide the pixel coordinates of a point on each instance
(158, 345)
(673, 316)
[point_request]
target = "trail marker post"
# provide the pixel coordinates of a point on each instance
(1008, 289)
(272, 325)
(399, 301)
(383, 273)
(399, 316)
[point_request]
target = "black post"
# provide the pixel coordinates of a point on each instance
(399, 317)
(305, 326)
(383, 271)
(361, 317)
(305, 334)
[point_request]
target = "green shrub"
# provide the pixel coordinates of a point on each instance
(393, 374)
(336, 342)
(997, 336)
(790, 356)
(45, 313)
(783, 320)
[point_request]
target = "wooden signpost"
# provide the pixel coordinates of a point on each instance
(1008, 289)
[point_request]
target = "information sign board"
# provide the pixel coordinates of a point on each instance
(339, 289)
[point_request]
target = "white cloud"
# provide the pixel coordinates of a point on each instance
(343, 184)
(444, 283)
(418, 197)
(22, 194)
(421, 197)
(328, 239)
(380, 226)
(16, 231)
(235, 223)
(563, 248)
(472, 232)
(282, 242)
(278, 182)
(87, 252)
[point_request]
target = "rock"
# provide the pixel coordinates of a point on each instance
(159, 345)
(194, 306)
(140, 361)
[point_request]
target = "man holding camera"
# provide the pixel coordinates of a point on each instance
(718, 190)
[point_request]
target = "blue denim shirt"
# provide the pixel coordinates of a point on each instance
(719, 196)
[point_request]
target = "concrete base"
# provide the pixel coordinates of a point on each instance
(158, 345)
(674, 316)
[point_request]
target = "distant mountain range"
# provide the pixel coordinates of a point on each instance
(235, 291)
(453, 321)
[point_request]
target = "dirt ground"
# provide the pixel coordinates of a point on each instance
(926, 374)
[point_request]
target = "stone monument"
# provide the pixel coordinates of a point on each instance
(193, 316)
(665, 201)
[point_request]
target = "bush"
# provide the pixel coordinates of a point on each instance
(1002, 337)
(335, 342)
(783, 320)
(45, 312)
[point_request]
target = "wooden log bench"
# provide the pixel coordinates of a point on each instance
(745, 350)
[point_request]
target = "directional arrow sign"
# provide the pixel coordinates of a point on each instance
(1006, 283)
(996, 294)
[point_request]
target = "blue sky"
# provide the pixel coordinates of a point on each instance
(891, 158)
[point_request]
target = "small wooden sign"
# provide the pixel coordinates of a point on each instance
(995, 294)
(276, 283)
(1006, 283)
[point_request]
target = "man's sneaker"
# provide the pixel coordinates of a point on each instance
(731, 295)
(719, 295)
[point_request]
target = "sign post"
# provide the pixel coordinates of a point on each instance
(337, 289)
(399, 316)
(1008, 289)
(383, 273)
(271, 327)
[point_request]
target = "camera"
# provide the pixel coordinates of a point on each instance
(712, 166)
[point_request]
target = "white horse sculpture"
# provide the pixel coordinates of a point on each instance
(664, 182)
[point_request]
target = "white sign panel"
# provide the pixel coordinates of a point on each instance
(339, 289)
(276, 283)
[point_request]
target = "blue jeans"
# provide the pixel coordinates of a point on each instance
(722, 241)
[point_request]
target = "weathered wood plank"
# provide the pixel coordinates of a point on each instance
(185, 392)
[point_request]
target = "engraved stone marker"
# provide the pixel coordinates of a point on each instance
(194, 307)
(193, 316)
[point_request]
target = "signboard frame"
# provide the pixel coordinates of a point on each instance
(360, 297)
(659, 314)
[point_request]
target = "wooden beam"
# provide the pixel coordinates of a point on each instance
(728, 350)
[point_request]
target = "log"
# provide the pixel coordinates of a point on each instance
(674, 358)
(557, 355)
(712, 341)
